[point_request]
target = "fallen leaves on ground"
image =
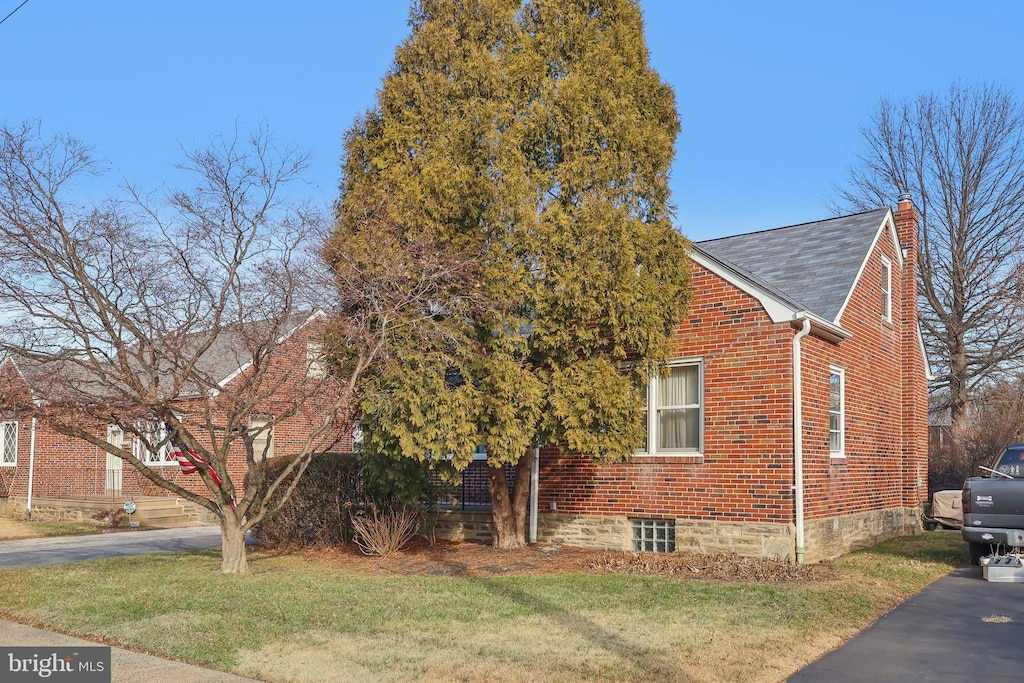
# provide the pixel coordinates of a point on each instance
(446, 558)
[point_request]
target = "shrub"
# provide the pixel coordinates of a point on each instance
(384, 532)
(337, 488)
(111, 519)
(318, 511)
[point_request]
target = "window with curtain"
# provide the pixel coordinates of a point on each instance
(154, 432)
(675, 423)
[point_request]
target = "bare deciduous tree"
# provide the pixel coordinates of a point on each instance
(961, 156)
(994, 419)
(129, 312)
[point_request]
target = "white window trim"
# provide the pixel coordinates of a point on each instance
(149, 458)
(315, 368)
(652, 412)
(113, 429)
(267, 427)
(841, 372)
(3, 444)
(887, 289)
(358, 437)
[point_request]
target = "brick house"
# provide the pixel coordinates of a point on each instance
(49, 473)
(813, 324)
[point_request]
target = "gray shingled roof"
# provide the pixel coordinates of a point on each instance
(815, 264)
(231, 351)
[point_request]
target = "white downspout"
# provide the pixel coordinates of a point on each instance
(534, 490)
(31, 467)
(798, 439)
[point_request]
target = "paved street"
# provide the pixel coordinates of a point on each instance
(960, 629)
(39, 551)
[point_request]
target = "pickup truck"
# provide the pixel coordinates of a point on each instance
(994, 505)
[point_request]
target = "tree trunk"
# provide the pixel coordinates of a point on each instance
(232, 544)
(508, 511)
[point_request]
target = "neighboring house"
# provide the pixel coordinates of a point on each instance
(47, 470)
(814, 324)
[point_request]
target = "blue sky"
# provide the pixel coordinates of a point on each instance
(771, 94)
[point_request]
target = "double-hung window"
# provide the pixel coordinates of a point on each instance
(886, 289)
(9, 443)
(836, 410)
(263, 437)
(675, 410)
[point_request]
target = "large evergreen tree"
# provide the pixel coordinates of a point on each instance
(534, 139)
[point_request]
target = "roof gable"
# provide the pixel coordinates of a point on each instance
(889, 227)
(813, 264)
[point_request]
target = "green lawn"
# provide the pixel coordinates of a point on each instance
(295, 619)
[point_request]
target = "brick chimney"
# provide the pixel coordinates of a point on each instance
(915, 383)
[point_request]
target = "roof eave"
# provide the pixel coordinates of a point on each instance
(318, 313)
(780, 308)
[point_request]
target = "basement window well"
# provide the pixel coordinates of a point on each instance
(654, 535)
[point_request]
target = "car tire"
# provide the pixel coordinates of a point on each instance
(978, 551)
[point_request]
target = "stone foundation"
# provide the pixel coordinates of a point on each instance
(751, 539)
(59, 510)
(584, 531)
(462, 525)
(155, 512)
(834, 536)
(825, 538)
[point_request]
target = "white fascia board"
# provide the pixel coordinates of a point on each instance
(245, 366)
(35, 397)
(318, 313)
(778, 311)
(924, 355)
(889, 222)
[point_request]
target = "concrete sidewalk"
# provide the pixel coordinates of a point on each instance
(126, 666)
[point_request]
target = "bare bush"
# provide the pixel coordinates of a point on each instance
(112, 519)
(382, 532)
(995, 419)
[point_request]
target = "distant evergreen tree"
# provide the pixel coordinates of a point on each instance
(535, 139)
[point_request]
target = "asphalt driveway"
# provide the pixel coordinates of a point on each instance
(39, 551)
(959, 629)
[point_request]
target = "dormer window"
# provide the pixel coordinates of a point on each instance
(886, 289)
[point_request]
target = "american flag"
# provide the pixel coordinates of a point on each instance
(187, 466)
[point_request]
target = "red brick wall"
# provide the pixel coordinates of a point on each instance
(869, 475)
(915, 382)
(745, 473)
(70, 467)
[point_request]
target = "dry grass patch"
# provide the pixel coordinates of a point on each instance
(16, 529)
(468, 613)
